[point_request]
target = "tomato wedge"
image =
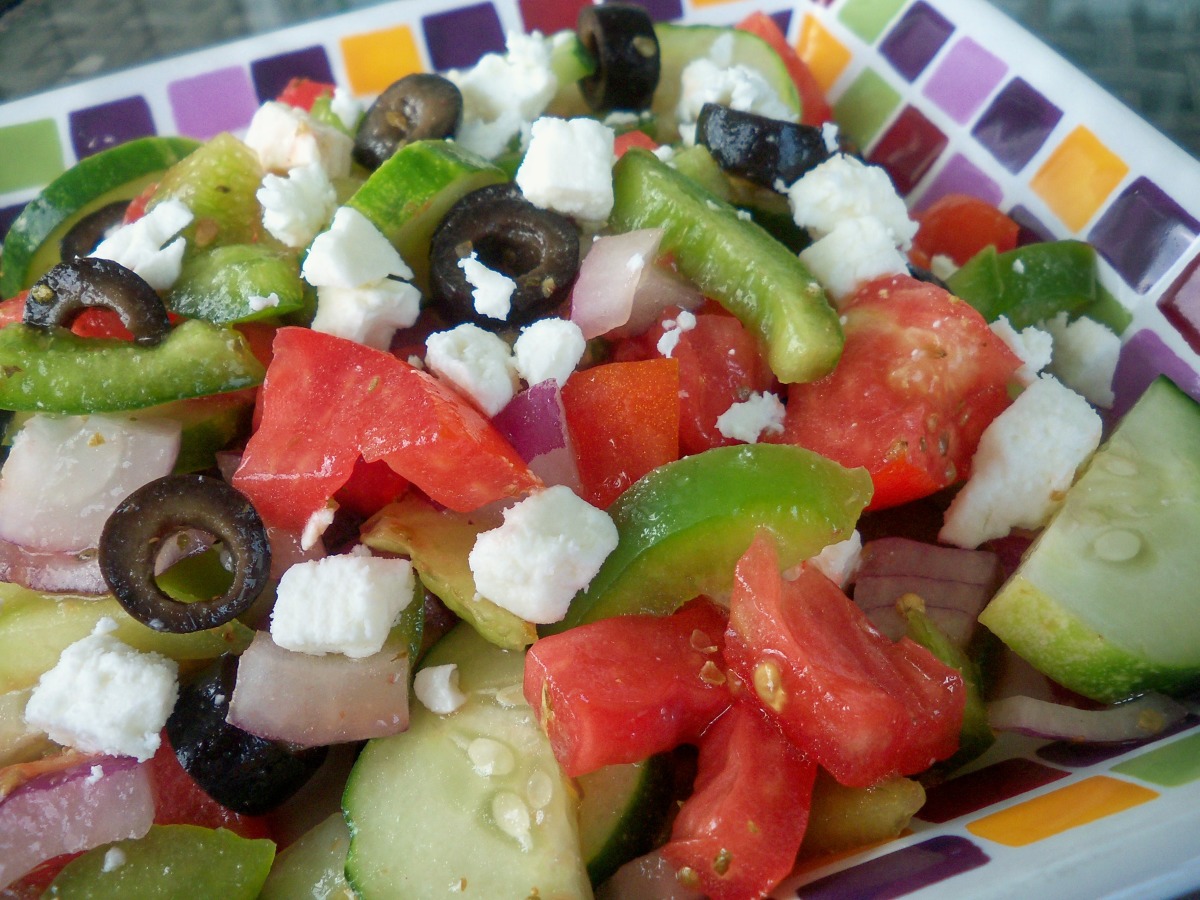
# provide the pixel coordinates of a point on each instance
(327, 401)
(863, 707)
(959, 226)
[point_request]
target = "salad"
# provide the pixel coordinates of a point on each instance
(576, 473)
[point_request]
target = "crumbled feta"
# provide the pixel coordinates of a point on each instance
(550, 546)
(838, 562)
(843, 188)
(298, 205)
(476, 362)
(855, 252)
(348, 109)
(665, 153)
(316, 525)
(352, 253)
(491, 290)
(114, 858)
(749, 419)
(102, 696)
(713, 80)
(340, 604)
(942, 266)
(568, 168)
(1025, 463)
(1085, 357)
(285, 137)
(503, 93)
(829, 134)
(673, 330)
(437, 689)
(370, 314)
(145, 245)
(1032, 345)
(548, 349)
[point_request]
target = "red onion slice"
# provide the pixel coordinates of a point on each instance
(102, 800)
(1137, 719)
(317, 700)
(602, 297)
(535, 423)
(659, 289)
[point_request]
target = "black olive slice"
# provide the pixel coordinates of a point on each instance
(922, 274)
(620, 37)
(70, 287)
(537, 248)
(246, 773)
(765, 151)
(85, 235)
(418, 107)
(134, 533)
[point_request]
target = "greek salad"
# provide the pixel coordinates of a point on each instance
(575, 474)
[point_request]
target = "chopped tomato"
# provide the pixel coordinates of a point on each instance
(370, 488)
(178, 800)
(738, 833)
(815, 109)
(720, 364)
(633, 138)
(34, 883)
(304, 92)
(921, 376)
(623, 418)
(94, 322)
(624, 688)
(862, 706)
(959, 226)
(137, 206)
(327, 401)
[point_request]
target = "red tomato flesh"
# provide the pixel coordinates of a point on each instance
(304, 92)
(622, 689)
(178, 800)
(630, 139)
(862, 706)
(921, 376)
(959, 226)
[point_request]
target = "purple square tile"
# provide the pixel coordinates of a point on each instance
(961, 176)
(205, 105)
(783, 19)
(272, 73)
(662, 10)
(1143, 233)
(97, 128)
(1180, 304)
(916, 39)
(457, 38)
(1016, 124)
(963, 80)
(909, 148)
(1143, 358)
(900, 872)
(1033, 230)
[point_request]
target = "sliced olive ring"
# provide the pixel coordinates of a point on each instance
(537, 248)
(421, 106)
(621, 39)
(85, 235)
(134, 533)
(765, 151)
(246, 773)
(72, 286)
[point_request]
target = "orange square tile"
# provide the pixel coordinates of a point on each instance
(1060, 810)
(1078, 177)
(374, 59)
(825, 55)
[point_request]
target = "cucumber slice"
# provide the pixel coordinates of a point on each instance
(119, 173)
(623, 812)
(1105, 601)
(219, 284)
(426, 817)
(313, 866)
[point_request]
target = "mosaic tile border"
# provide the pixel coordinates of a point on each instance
(948, 95)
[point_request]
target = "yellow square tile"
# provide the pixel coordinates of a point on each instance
(374, 59)
(825, 55)
(1078, 177)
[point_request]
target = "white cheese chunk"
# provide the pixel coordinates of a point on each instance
(146, 247)
(491, 291)
(568, 168)
(750, 419)
(102, 696)
(855, 252)
(1085, 357)
(838, 562)
(477, 363)
(844, 188)
(550, 546)
(370, 314)
(673, 331)
(548, 349)
(297, 206)
(346, 107)
(352, 253)
(713, 80)
(437, 689)
(285, 137)
(1032, 345)
(340, 604)
(316, 525)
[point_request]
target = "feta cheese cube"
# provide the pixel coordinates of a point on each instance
(348, 109)
(843, 188)
(437, 689)
(297, 206)
(838, 562)
(714, 80)
(758, 414)
(477, 363)
(285, 137)
(548, 349)
(352, 253)
(854, 252)
(568, 168)
(340, 604)
(102, 696)
(316, 525)
(1026, 461)
(1085, 357)
(1032, 345)
(673, 331)
(550, 546)
(145, 245)
(491, 290)
(371, 314)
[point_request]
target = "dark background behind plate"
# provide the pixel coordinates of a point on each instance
(1146, 52)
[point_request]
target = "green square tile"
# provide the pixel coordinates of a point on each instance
(868, 18)
(867, 104)
(30, 155)
(1170, 765)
